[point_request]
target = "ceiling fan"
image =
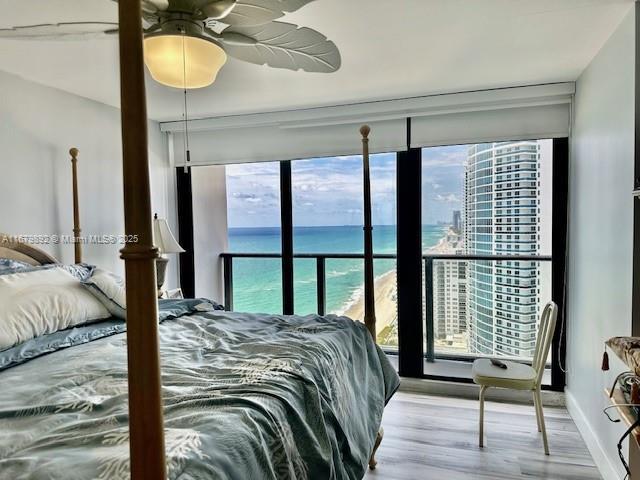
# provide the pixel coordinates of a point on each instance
(187, 41)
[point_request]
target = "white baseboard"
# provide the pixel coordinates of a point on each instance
(601, 459)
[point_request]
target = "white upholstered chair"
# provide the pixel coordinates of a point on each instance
(518, 376)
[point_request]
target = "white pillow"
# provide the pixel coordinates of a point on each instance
(110, 290)
(38, 302)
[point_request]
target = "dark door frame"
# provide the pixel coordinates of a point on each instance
(635, 301)
(184, 200)
(409, 262)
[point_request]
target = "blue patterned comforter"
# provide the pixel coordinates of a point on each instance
(246, 397)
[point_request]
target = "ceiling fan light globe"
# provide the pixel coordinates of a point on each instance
(197, 68)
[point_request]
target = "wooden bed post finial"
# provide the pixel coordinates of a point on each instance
(365, 130)
(76, 206)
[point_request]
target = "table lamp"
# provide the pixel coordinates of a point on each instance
(166, 244)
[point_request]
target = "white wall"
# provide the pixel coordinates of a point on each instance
(38, 125)
(210, 237)
(601, 234)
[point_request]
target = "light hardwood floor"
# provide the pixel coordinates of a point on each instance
(429, 437)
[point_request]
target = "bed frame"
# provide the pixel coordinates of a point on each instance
(146, 430)
(12, 247)
(15, 250)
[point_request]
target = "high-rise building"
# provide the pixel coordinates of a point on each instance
(450, 290)
(507, 211)
(450, 299)
(456, 223)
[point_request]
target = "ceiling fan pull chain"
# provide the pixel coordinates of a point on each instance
(187, 152)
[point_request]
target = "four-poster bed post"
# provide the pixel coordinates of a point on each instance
(369, 280)
(369, 285)
(77, 245)
(146, 439)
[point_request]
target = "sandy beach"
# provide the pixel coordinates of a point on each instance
(386, 308)
(386, 300)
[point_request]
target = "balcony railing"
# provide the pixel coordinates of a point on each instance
(429, 287)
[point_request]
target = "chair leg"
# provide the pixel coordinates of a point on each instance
(535, 404)
(542, 425)
(483, 390)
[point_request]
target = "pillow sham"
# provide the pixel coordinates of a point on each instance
(109, 289)
(8, 265)
(81, 271)
(37, 302)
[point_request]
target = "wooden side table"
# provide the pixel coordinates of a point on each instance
(629, 418)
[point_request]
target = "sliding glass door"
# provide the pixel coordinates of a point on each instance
(492, 238)
(253, 219)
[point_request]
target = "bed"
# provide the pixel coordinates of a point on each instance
(245, 396)
(238, 396)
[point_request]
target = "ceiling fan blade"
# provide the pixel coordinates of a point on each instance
(213, 9)
(282, 45)
(259, 12)
(60, 31)
(155, 5)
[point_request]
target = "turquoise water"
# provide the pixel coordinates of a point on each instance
(257, 283)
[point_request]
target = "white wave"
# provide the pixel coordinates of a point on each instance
(342, 273)
(358, 293)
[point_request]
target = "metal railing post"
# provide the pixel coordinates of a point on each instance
(321, 280)
(228, 283)
(428, 307)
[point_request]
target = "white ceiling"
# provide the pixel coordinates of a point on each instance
(390, 49)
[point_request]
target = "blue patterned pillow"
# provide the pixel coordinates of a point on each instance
(7, 265)
(81, 271)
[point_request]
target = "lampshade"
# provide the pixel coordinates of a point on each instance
(197, 68)
(163, 238)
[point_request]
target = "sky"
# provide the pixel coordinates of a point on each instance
(329, 191)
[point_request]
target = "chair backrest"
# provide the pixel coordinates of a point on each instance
(546, 330)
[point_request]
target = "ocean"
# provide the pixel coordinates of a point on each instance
(257, 284)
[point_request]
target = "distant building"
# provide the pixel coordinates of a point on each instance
(450, 299)
(507, 212)
(450, 290)
(457, 221)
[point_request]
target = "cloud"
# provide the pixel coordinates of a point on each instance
(327, 191)
(251, 197)
(243, 196)
(454, 156)
(448, 198)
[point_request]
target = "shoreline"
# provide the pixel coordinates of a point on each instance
(385, 288)
(385, 292)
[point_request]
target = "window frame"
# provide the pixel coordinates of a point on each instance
(411, 351)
